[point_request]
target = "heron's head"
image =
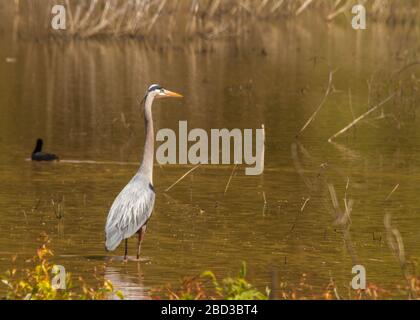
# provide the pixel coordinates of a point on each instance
(158, 92)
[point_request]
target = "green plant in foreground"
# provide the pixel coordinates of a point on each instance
(236, 288)
(35, 283)
(206, 286)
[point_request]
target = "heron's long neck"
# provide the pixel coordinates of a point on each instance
(149, 148)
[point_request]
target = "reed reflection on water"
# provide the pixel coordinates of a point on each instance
(83, 97)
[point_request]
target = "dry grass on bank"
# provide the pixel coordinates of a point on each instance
(190, 18)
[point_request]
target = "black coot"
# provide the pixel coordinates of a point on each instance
(38, 155)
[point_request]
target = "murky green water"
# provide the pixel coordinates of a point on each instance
(82, 98)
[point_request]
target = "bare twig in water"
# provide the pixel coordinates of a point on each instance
(305, 152)
(304, 204)
(348, 205)
(349, 246)
(395, 243)
(334, 200)
(346, 152)
(298, 166)
(230, 178)
(26, 216)
(265, 203)
(180, 179)
(351, 104)
(58, 208)
(361, 117)
(327, 93)
(343, 219)
(392, 192)
(336, 294)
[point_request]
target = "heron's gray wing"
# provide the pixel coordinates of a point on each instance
(129, 212)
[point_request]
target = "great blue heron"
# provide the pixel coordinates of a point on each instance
(38, 155)
(133, 207)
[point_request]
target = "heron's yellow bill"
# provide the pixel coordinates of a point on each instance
(173, 94)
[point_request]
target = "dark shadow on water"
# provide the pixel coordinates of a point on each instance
(109, 258)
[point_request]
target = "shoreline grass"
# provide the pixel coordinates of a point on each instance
(208, 19)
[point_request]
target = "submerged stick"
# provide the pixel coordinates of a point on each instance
(396, 244)
(353, 123)
(392, 192)
(180, 179)
(327, 93)
(230, 178)
(298, 166)
(304, 204)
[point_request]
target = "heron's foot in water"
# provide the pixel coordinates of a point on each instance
(125, 260)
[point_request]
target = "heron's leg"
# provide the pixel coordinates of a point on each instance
(141, 233)
(126, 250)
